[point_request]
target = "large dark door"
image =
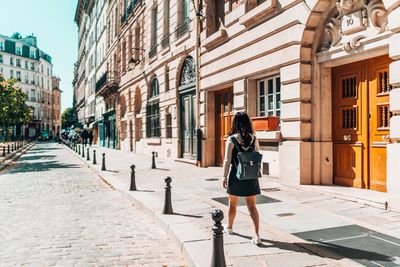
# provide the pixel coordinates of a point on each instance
(188, 125)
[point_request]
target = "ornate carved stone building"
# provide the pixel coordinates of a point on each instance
(320, 79)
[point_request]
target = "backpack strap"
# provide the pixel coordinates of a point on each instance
(236, 143)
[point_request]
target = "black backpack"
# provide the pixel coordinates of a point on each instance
(249, 166)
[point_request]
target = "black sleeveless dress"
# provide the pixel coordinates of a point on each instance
(241, 188)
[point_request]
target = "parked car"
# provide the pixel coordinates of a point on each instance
(44, 136)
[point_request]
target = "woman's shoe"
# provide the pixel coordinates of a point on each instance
(256, 241)
(227, 230)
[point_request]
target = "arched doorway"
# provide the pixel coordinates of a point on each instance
(344, 56)
(187, 99)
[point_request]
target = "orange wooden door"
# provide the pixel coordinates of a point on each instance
(350, 130)
(380, 114)
(223, 121)
(360, 123)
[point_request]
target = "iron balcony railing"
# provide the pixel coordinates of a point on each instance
(165, 40)
(129, 10)
(153, 51)
(109, 78)
(182, 28)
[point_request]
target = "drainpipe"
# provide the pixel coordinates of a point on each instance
(199, 14)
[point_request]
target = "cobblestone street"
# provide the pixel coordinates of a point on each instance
(55, 211)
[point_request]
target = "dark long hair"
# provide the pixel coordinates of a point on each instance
(241, 125)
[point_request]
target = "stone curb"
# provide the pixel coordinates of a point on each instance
(190, 254)
(10, 158)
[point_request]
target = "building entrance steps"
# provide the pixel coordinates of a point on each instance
(364, 196)
(284, 212)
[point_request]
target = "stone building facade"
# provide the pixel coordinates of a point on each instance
(21, 59)
(320, 79)
(56, 107)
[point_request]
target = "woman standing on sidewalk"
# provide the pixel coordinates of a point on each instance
(242, 133)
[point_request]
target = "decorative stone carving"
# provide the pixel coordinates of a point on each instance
(373, 13)
(188, 73)
(354, 43)
(331, 35)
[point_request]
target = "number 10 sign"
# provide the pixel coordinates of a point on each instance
(352, 23)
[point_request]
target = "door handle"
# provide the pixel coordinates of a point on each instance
(347, 137)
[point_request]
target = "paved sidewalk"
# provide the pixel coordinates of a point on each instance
(57, 212)
(195, 193)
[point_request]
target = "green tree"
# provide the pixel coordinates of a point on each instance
(13, 107)
(67, 118)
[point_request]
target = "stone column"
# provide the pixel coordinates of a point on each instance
(295, 151)
(239, 96)
(393, 149)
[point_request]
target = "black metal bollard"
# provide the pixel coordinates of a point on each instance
(83, 152)
(103, 164)
(168, 202)
(153, 160)
(94, 157)
(79, 149)
(4, 151)
(8, 148)
(133, 182)
(12, 147)
(218, 254)
(87, 154)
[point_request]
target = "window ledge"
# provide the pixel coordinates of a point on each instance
(258, 14)
(156, 141)
(153, 59)
(269, 135)
(182, 38)
(216, 39)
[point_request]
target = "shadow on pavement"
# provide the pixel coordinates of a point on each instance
(27, 157)
(42, 166)
(341, 252)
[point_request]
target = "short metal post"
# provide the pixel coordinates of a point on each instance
(87, 154)
(83, 152)
(8, 148)
(12, 147)
(218, 255)
(133, 182)
(153, 161)
(94, 157)
(103, 164)
(79, 149)
(167, 202)
(4, 151)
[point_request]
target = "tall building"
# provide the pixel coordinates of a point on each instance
(319, 79)
(20, 58)
(56, 107)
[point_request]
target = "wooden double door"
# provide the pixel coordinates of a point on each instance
(361, 117)
(223, 122)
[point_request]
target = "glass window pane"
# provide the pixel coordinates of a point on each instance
(278, 113)
(278, 84)
(262, 105)
(270, 102)
(278, 101)
(270, 86)
(225, 102)
(261, 88)
(270, 113)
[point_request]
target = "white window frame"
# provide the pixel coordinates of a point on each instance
(32, 53)
(18, 48)
(276, 105)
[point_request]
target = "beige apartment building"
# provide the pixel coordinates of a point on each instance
(320, 79)
(56, 107)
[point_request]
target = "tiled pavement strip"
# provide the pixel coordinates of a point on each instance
(193, 190)
(57, 212)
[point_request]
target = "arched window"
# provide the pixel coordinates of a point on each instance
(154, 88)
(188, 72)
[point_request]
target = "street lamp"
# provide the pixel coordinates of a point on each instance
(133, 61)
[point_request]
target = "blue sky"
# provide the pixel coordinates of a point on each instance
(52, 22)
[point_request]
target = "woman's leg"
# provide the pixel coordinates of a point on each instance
(251, 206)
(233, 201)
